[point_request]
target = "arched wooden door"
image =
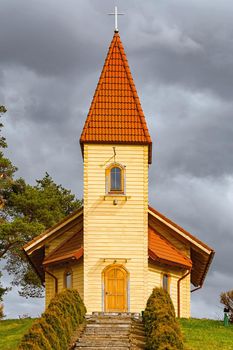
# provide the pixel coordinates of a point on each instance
(115, 289)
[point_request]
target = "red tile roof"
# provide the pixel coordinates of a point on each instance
(71, 249)
(116, 115)
(161, 250)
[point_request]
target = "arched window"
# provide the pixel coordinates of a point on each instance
(68, 277)
(115, 179)
(166, 282)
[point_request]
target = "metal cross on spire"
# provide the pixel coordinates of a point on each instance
(116, 14)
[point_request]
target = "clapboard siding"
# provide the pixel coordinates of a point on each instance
(155, 280)
(115, 232)
(58, 272)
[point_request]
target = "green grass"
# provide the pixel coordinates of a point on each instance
(198, 334)
(11, 331)
(203, 334)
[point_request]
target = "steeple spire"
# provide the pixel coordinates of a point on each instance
(115, 115)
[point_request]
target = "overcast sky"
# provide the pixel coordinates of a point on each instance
(181, 57)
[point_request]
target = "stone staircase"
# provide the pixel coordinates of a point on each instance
(115, 331)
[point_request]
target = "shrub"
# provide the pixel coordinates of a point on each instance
(1, 311)
(226, 299)
(162, 329)
(53, 330)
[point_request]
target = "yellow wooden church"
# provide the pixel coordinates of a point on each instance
(117, 248)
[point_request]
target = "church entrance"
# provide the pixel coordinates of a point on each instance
(115, 289)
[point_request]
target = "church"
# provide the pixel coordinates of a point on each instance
(117, 248)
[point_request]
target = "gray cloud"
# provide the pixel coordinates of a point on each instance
(180, 55)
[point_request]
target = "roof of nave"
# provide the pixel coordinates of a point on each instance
(40, 239)
(160, 248)
(70, 249)
(116, 115)
(201, 254)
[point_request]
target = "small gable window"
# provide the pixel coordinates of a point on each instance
(166, 282)
(115, 179)
(68, 279)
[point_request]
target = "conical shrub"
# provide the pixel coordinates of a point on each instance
(161, 327)
(54, 329)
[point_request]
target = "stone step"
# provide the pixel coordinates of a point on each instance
(110, 315)
(103, 343)
(123, 331)
(137, 328)
(137, 342)
(111, 321)
(113, 332)
(108, 325)
(104, 348)
(88, 337)
(138, 331)
(135, 347)
(138, 337)
(106, 334)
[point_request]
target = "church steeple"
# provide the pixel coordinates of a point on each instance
(116, 115)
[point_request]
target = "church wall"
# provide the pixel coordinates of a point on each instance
(58, 272)
(185, 297)
(155, 280)
(115, 232)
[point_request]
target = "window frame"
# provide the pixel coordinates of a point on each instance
(163, 274)
(69, 270)
(108, 179)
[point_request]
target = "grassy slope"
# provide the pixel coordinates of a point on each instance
(11, 332)
(207, 334)
(199, 334)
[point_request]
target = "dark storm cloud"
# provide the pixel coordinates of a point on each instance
(48, 37)
(181, 57)
(186, 43)
(193, 132)
(197, 204)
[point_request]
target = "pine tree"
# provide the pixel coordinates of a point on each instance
(25, 212)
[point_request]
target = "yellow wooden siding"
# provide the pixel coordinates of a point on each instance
(155, 280)
(58, 272)
(185, 297)
(115, 232)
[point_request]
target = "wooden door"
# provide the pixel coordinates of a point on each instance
(115, 289)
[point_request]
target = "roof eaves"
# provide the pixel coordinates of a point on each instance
(207, 267)
(155, 257)
(46, 234)
(70, 256)
(62, 244)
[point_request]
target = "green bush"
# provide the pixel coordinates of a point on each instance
(53, 330)
(162, 330)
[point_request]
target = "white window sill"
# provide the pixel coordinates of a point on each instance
(112, 196)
